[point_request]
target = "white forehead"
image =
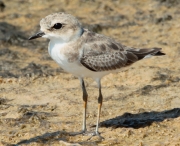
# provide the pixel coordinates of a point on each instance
(50, 20)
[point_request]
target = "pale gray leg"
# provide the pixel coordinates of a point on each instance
(85, 96)
(100, 100)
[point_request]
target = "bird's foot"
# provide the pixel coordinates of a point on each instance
(96, 133)
(84, 132)
(77, 133)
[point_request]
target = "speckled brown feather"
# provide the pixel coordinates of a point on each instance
(101, 53)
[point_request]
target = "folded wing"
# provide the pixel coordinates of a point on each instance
(101, 53)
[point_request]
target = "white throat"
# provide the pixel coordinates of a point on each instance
(66, 37)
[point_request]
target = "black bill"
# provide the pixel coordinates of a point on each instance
(37, 35)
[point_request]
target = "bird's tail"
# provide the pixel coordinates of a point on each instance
(146, 53)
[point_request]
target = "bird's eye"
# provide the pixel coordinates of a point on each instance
(57, 26)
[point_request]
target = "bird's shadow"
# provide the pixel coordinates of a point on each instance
(127, 120)
(140, 120)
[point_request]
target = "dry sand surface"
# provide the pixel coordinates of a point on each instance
(40, 104)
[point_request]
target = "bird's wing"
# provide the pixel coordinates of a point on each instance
(101, 53)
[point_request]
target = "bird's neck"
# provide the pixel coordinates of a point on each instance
(67, 38)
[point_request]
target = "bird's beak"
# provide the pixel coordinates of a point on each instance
(37, 35)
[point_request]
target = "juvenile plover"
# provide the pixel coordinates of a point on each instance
(84, 53)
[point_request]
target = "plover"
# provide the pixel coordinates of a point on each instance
(84, 53)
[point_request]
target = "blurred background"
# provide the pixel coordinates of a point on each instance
(32, 84)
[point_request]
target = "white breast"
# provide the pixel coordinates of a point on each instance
(57, 52)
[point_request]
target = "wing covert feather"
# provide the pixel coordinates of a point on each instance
(101, 53)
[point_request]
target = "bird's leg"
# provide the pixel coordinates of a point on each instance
(100, 100)
(85, 96)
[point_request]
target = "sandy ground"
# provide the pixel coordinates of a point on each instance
(40, 104)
